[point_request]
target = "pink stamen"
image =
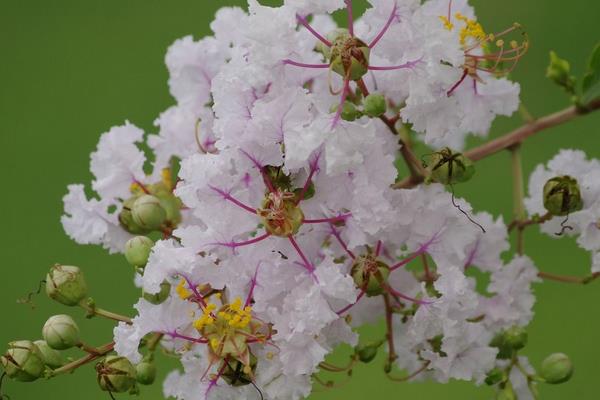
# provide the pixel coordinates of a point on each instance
(316, 34)
(349, 306)
(339, 218)
(337, 235)
(175, 335)
(350, 17)
(475, 87)
(409, 64)
(314, 167)
(449, 10)
(235, 245)
(408, 298)
(261, 168)
(338, 114)
(213, 382)
(378, 248)
(421, 250)
(457, 84)
(141, 185)
(304, 65)
(230, 198)
(386, 27)
(197, 296)
(307, 264)
(253, 284)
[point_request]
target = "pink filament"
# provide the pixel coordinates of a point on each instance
(305, 23)
(386, 27)
(304, 65)
(230, 198)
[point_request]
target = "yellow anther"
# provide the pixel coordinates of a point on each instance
(514, 44)
(166, 177)
(447, 24)
(182, 291)
(247, 369)
(500, 43)
(269, 356)
(214, 343)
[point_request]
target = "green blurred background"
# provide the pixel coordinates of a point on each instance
(72, 68)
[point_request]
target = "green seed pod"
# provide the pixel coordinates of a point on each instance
(515, 337)
(137, 250)
(495, 376)
(349, 57)
(160, 297)
(126, 218)
(370, 273)
(238, 374)
(148, 213)
(116, 374)
(145, 372)
(66, 285)
(367, 352)
(448, 168)
(52, 358)
(556, 368)
(375, 105)
(506, 393)
(61, 332)
(562, 196)
(23, 361)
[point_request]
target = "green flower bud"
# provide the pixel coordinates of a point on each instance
(66, 285)
(52, 358)
(160, 297)
(238, 374)
(495, 376)
(126, 218)
(556, 368)
(370, 273)
(146, 372)
(515, 337)
(172, 206)
(367, 352)
(448, 168)
(559, 72)
(562, 196)
(506, 393)
(61, 332)
(505, 351)
(349, 57)
(23, 361)
(116, 374)
(375, 105)
(137, 250)
(349, 112)
(148, 213)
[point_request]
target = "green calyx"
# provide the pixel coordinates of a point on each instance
(116, 374)
(237, 373)
(562, 196)
(448, 167)
(66, 285)
(375, 105)
(52, 358)
(370, 274)
(137, 250)
(349, 56)
(556, 368)
(23, 361)
(61, 332)
(368, 351)
(495, 376)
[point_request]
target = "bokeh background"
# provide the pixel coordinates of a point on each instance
(71, 69)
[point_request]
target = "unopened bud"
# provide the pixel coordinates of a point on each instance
(559, 72)
(172, 206)
(375, 105)
(448, 167)
(23, 361)
(349, 111)
(148, 213)
(61, 332)
(137, 250)
(66, 285)
(495, 376)
(161, 296)
(367, 352)
(116, 374)
(562, 196)
(52, 358)
(146, 372)
(126, 218)
(556, 368)
(516, 337)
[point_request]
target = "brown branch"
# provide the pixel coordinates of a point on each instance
(101, 351)
(390, 329)
(409, 377)
(579, 280)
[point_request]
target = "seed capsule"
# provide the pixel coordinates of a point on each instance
(562, 196)
(23, 361)
(148, 213)
(116, 374)
(556, 368)
(349, 57)
(52, 358)
(66, 285)
(137, 250)
(448, 167)
(61, 332)
(370, 274)
(367, 352)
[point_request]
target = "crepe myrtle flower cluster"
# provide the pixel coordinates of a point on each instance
(271, 220)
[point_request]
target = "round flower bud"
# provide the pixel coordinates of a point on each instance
(349, 57)
(148, 213)
(562, 196)
(126, 218)
(367, 352)
(116, 374)
(23, 361)
(238, 374)
(50, 357)
(556, 368)
(448, 168)
(349, 112)
(146, 372)
(160, 297)
(137, 250)
(370, 274)
(66, 285)
(61, 332)
(515, 337)
(375, 105)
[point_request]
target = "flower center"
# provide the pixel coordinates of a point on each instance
(349, 57)
(370, 274)
(280, 213)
